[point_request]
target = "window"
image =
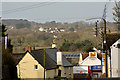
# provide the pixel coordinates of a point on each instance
(64, 71)
(36, 67)
(69, 70)
(59, 72)
(118, 45)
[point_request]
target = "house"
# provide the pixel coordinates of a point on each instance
(83, 61)
(91, 63)
(115, 59)
(41, 29)
(32, 64)
(91, 60)
(76, 58)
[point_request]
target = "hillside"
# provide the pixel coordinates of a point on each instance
(24, 32)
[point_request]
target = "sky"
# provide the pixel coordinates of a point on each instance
(55, 11)
(56, 0)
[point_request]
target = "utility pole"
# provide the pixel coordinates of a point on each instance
(105, 47)
(104, 44)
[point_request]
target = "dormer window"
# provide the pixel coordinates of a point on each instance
(36, 67)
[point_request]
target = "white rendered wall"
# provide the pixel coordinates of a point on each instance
(115, 59)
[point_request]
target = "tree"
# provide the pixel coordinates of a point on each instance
(71, 29)
(76, 26)
(9, 70)
(22, 25)
(117, 14)
(65, 46)
(3, 30)
(9, 46)
(84, 46)
(8, 62)
(19, 40)
(3, 36)
(87, 45)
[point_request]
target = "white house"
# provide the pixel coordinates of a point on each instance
(41, 29)
(115, 59)
(90, 61)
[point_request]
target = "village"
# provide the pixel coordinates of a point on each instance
(81, 50)
(51, 63)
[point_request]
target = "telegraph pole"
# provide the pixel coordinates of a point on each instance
(105, 47)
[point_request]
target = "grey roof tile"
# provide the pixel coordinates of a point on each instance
(38, 55)
(52, 53)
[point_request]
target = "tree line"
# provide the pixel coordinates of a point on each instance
(84, 46)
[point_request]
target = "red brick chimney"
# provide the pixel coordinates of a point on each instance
(58, 50)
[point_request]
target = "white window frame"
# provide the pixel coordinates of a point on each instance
(35, 67)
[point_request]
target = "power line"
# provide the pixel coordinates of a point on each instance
(28, 7)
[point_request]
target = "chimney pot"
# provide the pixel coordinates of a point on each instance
(58, 50)
(28, 48)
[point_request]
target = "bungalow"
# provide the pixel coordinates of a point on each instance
(32, 64)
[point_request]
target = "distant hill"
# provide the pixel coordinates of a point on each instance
(27, 32)
(17, 23)
(21, 23)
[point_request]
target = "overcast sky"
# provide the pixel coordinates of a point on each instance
(56, 0)
(55, 11)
